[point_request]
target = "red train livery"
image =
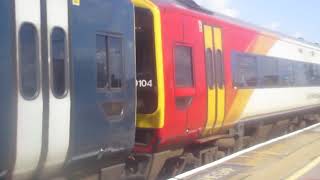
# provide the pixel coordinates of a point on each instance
(213, 81)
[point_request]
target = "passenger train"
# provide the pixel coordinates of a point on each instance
(220, 82)
(142, 89)
(68, 87)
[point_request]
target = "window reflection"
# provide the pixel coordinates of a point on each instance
(266, 72)
(109, 61)
(183, 66)
(28, 49)
(58, 46)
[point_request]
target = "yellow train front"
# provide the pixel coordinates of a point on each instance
(218, 85)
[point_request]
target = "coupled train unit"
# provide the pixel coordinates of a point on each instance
(141, 89)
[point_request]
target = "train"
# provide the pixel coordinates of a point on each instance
(68, 93)
(142, 89)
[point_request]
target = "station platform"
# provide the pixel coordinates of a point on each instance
(290, 157)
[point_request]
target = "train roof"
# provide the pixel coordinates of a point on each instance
(192, 5)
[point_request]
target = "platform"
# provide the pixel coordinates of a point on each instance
(293, 156)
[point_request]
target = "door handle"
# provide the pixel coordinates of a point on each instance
(184, 101)
(113, 110)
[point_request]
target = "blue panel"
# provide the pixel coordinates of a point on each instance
(7, 89)
(92, 129)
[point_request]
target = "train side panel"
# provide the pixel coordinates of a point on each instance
(254, 43)
(103, 82)
(272, 100)
(8, 89)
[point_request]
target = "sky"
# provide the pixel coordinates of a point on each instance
(295, 18)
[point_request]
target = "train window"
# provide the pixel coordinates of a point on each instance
(58, 58)
(273, 72)
(309, 73)
(244, 70)
(300, 74)
(285, 73)
(101, 61)
(316, 69)
(220, 68)
(109, 61)
(183, 66)
(28, 60)
(209, 69)
(312, 73)
(267, 72)
(115, 62)
(147, 90)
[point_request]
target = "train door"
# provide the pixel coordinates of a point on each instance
(36, 118)
(7, 88)
(211, 79)
(56, 85)
(189, 77)
(29, 92)
(215, 78)
(220, 76)
(184, 81)
(103, 82)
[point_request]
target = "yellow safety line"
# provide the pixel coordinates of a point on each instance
(306, 169)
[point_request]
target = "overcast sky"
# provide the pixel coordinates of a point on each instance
(296, 18)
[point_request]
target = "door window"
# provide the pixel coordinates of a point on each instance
(115, 62)
(183, 66)
(28, 59)
(109, 62)
(58, 56)
(210, 69)
(220, 68)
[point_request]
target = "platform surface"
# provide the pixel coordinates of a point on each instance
(294, 157)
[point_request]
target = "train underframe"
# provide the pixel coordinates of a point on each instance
(166, 164)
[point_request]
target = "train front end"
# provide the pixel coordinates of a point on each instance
(67, 99)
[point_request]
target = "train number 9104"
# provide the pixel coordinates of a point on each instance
(143, 83)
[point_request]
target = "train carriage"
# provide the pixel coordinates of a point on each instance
(215, 81)
(206, 85)
(67, 95)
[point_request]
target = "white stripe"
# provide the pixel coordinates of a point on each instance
(29, 117)
(59, 109)
(220, 161)
(273, 100)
